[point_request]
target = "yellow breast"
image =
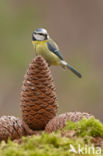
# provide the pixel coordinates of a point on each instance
(42, 49)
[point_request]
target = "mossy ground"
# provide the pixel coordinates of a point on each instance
(58, 143)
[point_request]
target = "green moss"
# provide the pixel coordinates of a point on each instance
(86, 127)
(54, 144)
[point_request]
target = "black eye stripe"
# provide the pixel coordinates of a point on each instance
(41, 34)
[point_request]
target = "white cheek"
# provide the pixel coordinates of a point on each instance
(39, 37)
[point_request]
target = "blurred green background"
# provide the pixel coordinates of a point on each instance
(77, 27)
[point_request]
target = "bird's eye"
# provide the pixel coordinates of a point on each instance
(40, 34)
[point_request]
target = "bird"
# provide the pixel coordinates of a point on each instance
(49, 50)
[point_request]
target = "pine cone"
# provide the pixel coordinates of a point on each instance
(11, 127)
(59, 121)
(38, 96)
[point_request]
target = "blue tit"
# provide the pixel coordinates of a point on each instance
(48, 49)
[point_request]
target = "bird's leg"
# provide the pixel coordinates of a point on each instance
(48, 63)
(63, 66)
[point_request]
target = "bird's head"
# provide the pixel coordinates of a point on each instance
(40, 34)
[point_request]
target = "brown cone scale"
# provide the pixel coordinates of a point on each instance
(11, 127)
(38, 96)
(59, 121)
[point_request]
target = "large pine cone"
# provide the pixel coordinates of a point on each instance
(59, 121)
(11, 127)
(38, 96)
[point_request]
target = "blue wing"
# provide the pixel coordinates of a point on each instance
(54, 50)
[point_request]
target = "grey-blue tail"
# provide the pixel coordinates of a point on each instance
(71, 68)
(74, 71)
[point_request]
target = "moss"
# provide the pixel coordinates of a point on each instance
(86, 127)
(54, 144)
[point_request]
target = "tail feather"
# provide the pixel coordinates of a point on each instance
(64, 63)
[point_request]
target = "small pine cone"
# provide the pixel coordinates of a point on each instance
(38, 96)
(11, 127)
(59, 121)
